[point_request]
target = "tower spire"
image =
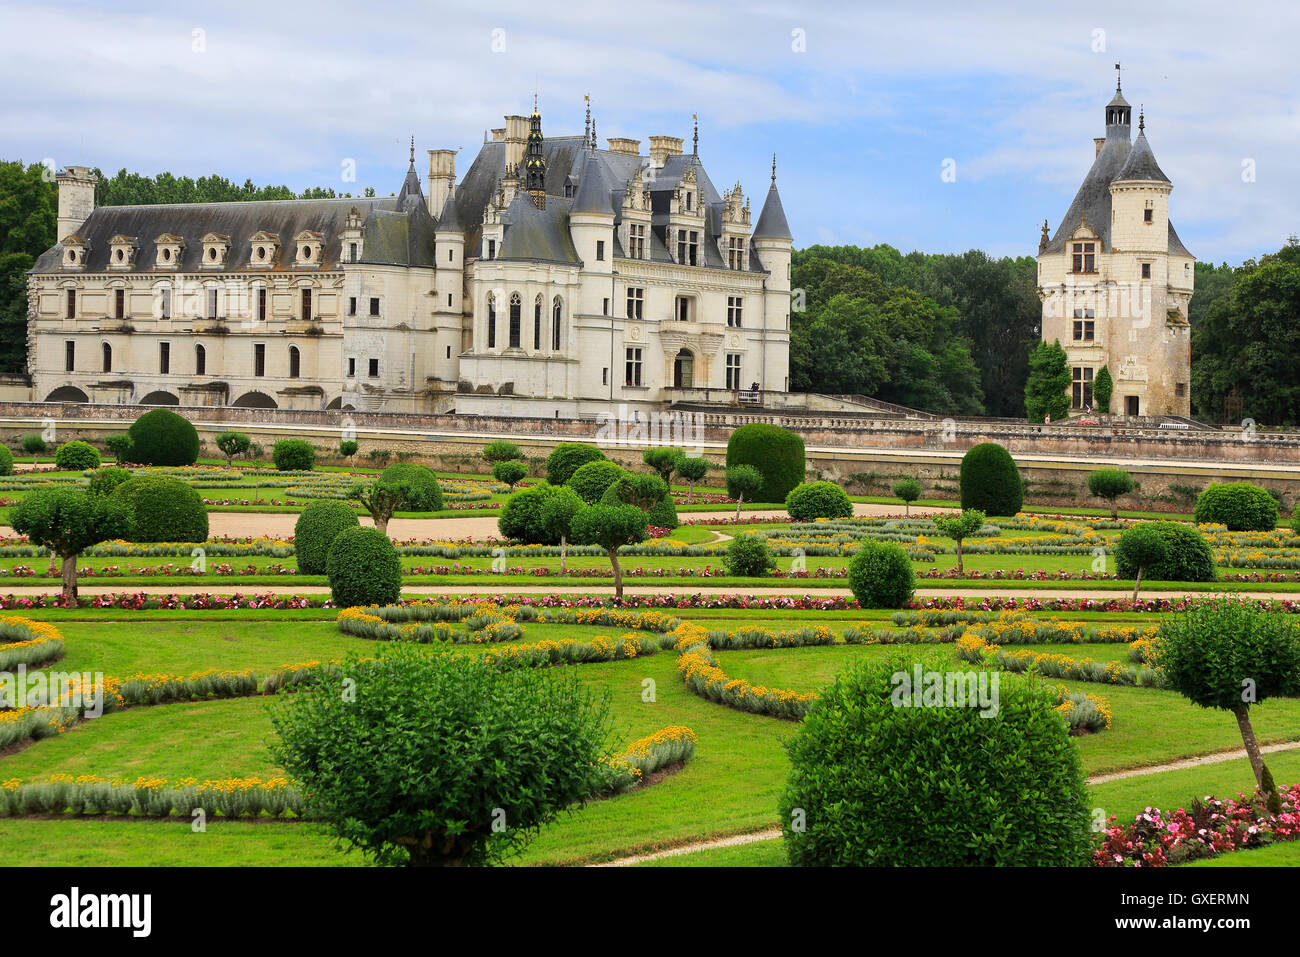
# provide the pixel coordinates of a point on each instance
(774, 169)
(412, 149)
(586, 130)
(1117, 79)
(695, 149)
(1142, 121)
(535, 160)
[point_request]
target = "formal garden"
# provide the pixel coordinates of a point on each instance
(581, 661)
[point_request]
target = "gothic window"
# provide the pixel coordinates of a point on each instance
(492, 322)
(516, 308)
(555, 324)
(537, 322)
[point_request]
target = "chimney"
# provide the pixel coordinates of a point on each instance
(442, 177)
(516, 139)
(621, 144)
(1098, 141)
(498, 136)
(662, 147)
(76, 198)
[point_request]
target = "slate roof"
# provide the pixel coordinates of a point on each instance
(1141, 163)
(771, 221)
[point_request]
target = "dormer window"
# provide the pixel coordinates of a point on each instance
(307, 248)
(264, 246)
(121, 253)
(169, 251)
(216, 249)
(74, 253)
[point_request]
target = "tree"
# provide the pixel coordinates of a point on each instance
(1048, 384)
(509, 472)
(692, 469)
(501, 451)
(475, 758)
(663, 459)
(1110, 484)
(557, 513)
(743, 481)
(1231, 654)
(348, 448)
(34, 445)
(1141, 547)
(232, 444)
(67, 522)
(909, 490)
(640, 489)
(611, 527)
(960, 527)
(381, 499)
(28, 214)
(1103, 387)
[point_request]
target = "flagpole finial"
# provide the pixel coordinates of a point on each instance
(773, 169)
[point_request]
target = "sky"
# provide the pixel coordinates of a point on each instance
(940, 126)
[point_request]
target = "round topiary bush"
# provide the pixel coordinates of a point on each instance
(1239, 505)
(814, 500)
(567, 458)
(76, 456)
(663, 514)
(880, 777)
(592, 480)
(6, 461)
(425, 492)
(881, 575)
(166, 510)
(990, 481)
(509, 472)
(521, 516)
(293, 455)
(1188, 558)
(161, 437)
(314, 532)
(363, 568)
(103, 481)
(776, 452)
(748, 556)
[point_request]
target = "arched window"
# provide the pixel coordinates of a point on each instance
(537, 322)
(200, 360)
(108, 357)
(516, 308)
(295, 362)
(492, 321)
(555, 324)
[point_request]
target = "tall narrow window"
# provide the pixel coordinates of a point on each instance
(735, 252)
(352, 367)
(555, 324)
(69, 355)
(119, 303)
(374, 305)
(259, 359)
(200, 360)
(537, 323)
(735, 305)
(492, 322)
(600, 249)
(261, 304)
(635, 301)
(733, 370)
(683, 308)
(636, 241)
(212, 303)
(352, 252)
(1082, 394)
(306, 305)
(166, 310)
(633, 367)
(1146, 215)
(374, 369)
(492, 249)
(352, 305)
(72, 304)
(108, 357)
(516, 307)
(164, 357)
(1146, 270)
(295, 362)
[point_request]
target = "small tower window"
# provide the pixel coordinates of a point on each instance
(1146, 215)
(200, 360)
(1146, 270)
(295, 362)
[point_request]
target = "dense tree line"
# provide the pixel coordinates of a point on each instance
(134, 189)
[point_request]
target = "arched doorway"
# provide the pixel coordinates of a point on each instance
(67, 393)
(684, 370)
(160, 398)
(254, 400)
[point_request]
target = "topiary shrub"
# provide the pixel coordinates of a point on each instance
(104, 481)
(908, 490)
(567, 458)
(777, 453)
(1110, 484)
(6, 461)
(314, 532)
(363, 568)
(119, 445)
(611, 527)
(521, 518)
(1188, 558)
(663, 514)
(166, 510)
(76, 456)
(501, 451)
(424, 494)
(232, 444)
(293, 455)
(990, 481)
(161, 437)
(591, 480)
(814, 500)
(881, 778)
(881, 575)
(509, 472)
(1140, 547)
(1239, 505)
(748, 556)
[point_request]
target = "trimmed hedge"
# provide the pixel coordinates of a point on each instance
(103, 481)
(881, 575)
(1189, 558)
(1239, 505)
(990, 481)
(77, 456)
(777, 453)
(592, 480)
(364, 568)
(293, 455)
(6, 461)
(567, 458)
(166, 509)
(663, 513)
(425, 492)
(521, 516)
(161, 437)
(880, 778)
(317, 527)
(814, 500)
(748, 556)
